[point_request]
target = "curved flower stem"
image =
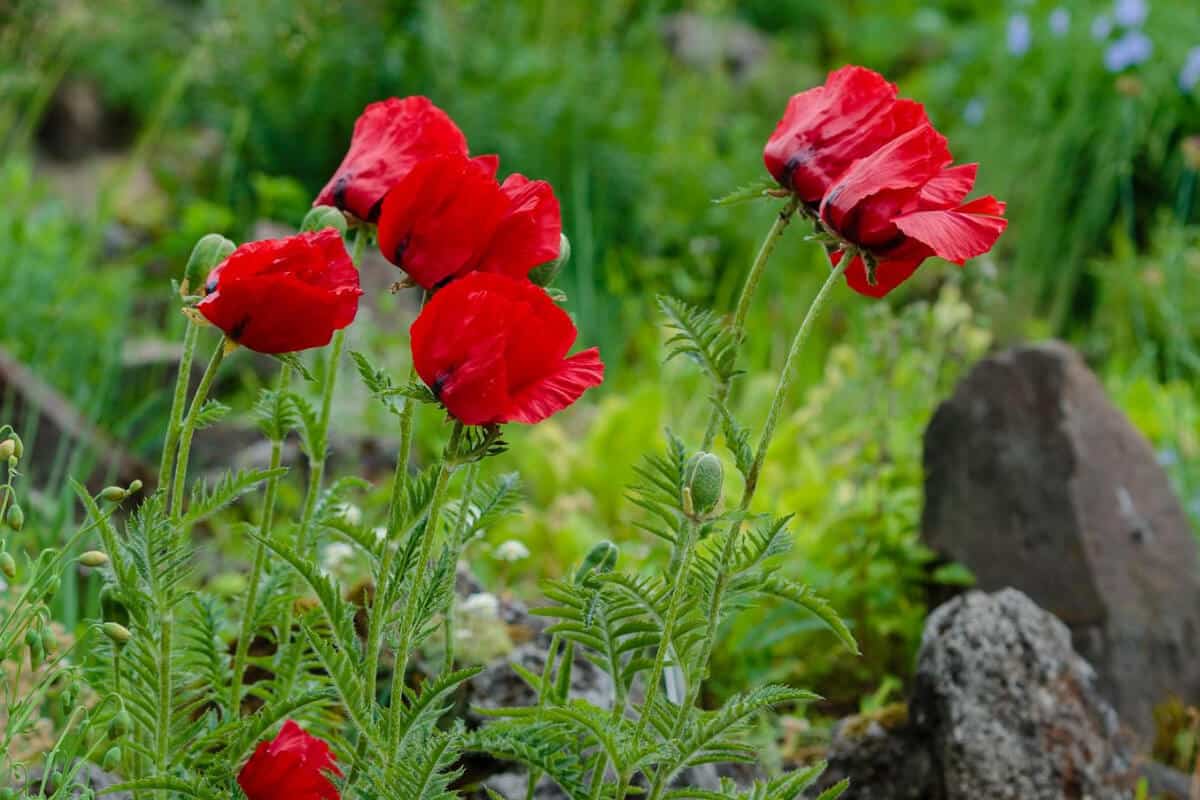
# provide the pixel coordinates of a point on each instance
(460, 528)
(753, 277)
(190, 334)
(260, 562)
(781, 392)
(188, 429)
(408, 621)
(686, 549)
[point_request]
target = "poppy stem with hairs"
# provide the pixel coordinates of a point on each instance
(408, 621)
(460, 529)
(188, 429)
(753, 277)
(242, 650)
(786, 379)
(182, 379)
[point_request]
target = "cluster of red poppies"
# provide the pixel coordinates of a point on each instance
(490, 344)
(880, 179)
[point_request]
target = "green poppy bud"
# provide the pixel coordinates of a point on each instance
(211, 250)
(544, 274)
(93, 558)
(8, 449)
(600, 559)
(20, 451)
(121, 724)
(112, 759)
(33, 638)
(15, 518)
(8, 565)
(117, 632)
(49, 641)
(114, 494)
(112, 608)
(135, 487)
(52, 589)
(321, 217)
(37, 654)
(704, 478)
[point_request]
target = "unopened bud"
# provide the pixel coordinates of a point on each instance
(121, 724)
(117, 632)
(600, 559)
(15, 518)
(704, 478)
(134, 487)
(112, 759)
(37, 650)
(8, 565)
(19, 446)
(321, 217)
(114, 494)
(8, 448)
(210, 251)
(94, 558)
(33, 638)
(544, 274)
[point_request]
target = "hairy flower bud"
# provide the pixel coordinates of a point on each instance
(15, 518)
(8, 448)
(117, 632)
(134, 487)
(8, 565)
(37, 650)
(321, 217)
(544, 274)
(112, 759)
(600, 559)
(114, 494)
(121, 725)
(704, 479)
(93, 558)
(212, 249)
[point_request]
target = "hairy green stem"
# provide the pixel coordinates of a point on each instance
(460, 529)
(408, 621)
(190, 335)
(188, 429)
(753, 277)
(260, 560)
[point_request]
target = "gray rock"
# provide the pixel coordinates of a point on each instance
(1010, 710)
(884, 758)
(1035, 480)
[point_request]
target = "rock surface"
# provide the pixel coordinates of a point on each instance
(1002, 708)
(1035, 480)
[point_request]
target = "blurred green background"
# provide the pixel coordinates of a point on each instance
(129, 128)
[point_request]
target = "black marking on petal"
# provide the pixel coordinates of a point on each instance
(239, 328)
(398, 254)
(438, 385)
(444, 281)
(339, 190)
(210, 286)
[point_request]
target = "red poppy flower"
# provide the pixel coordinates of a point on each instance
(903, 204)
(493, 349)
(449, 217)
(282, 295)
(295, 766)
(825, 129)
(390, 138)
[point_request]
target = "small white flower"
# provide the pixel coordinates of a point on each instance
(335, 555)
(481, 604)
(1020, 34)
(1189, 76)
(1101, 27)
(349, 512)
(1130, 13)
(974, 111)
(380, 533)
(511, 551)
(1060, 22)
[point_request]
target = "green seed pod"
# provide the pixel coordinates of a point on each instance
(704, 477)
(8, 449)
(20, 451)
(112, 607)
(210, 251)
(321, 217)
(135, 487)
(15, 518)
(114, 494)
(544, 274)
(33, 638)
(93, 558)
(112, 759)
(52, 589)
(49, 640)
(600, 559)
(117, 632)
(121, 724)
(37, 654)
(8, 565)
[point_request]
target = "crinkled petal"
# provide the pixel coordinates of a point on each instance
(948, 188)
(957, 234)
(889, 273)
(530, 232)
(558, 389)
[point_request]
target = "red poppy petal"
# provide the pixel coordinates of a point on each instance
(984, 205)
(889, 273)
(948, 188)
(906, 162)
(529, 234)
(955, 235)
(279, 314)
(489, 163)
(539, 335)
(390, 138)
(562, 387)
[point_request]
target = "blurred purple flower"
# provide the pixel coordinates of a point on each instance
(973, 111)
(1020, 34)
(1101, 27)
(1130, 50)
(1060, 22)
(1189, 76)
(1130, 13)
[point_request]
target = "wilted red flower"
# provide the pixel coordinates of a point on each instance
(903, 204)
(390, 138)
(449, 217)
(282, 295)
(493, 349)
(825, 129)
(295, 766)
